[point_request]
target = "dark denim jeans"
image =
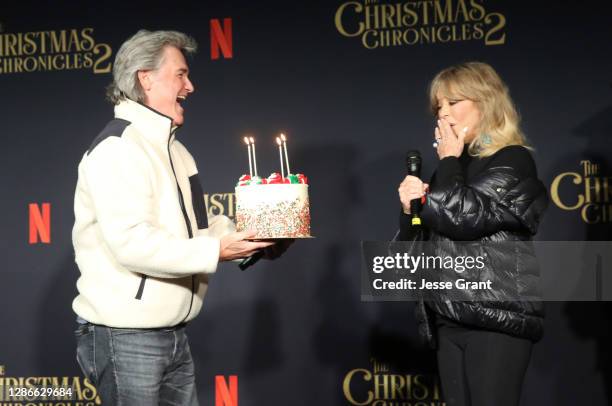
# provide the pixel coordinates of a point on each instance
(138, 367)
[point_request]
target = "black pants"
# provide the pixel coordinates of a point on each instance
(479, 367)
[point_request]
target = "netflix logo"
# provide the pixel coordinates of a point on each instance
(40, 223)
(221, 43)
(226, 393)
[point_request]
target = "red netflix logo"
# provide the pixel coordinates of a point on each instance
(221, 39)
(40, 223)
(226, 395)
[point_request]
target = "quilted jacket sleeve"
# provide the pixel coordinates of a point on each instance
(505, 197)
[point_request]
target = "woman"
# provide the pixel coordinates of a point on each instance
(485, 189)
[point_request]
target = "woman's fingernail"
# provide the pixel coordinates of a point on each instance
(465, 129)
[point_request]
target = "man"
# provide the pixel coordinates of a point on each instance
(141, 236)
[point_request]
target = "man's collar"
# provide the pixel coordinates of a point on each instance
(154, 125)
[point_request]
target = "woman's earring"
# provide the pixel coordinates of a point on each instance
(485, 139)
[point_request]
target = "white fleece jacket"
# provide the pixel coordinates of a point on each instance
(140, 236)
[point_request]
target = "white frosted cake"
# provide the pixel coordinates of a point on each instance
(274, 207)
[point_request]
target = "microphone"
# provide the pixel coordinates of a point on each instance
(413, 167)
(248, 261)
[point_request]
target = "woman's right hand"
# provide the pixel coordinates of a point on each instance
(411, 188)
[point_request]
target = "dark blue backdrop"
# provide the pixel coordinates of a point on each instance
(292, 329)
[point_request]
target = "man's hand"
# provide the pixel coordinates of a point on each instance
(276, 250)
(236, 246)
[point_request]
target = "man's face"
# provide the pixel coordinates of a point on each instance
(167, 87)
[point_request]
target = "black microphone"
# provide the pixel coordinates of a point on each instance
(413, 166)
(248, 261)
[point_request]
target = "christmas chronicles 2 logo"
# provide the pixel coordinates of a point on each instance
(382, 24)
(587, 191)
(380, 386)
(47, 391)
(40, 51)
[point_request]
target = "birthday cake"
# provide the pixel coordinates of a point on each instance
(276, 207)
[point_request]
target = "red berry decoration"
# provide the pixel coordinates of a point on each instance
(302, 179)
(275, 178)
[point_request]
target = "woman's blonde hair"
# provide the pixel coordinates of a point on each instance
(478, 82)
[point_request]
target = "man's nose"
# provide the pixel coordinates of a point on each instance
(189, 86)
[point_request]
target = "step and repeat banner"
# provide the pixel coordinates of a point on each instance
(346, 81)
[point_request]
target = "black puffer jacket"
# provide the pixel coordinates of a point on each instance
(489, 200)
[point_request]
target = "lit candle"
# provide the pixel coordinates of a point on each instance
(254, 156)
(280, 155)
(246, 140)
(286, 155)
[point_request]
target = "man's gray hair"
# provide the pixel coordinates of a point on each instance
(143, 51)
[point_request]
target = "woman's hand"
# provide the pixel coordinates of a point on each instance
(449, 143)
(411, 188)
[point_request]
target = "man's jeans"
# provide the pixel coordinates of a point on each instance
(138, 367)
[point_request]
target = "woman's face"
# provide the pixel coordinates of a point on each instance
(459, 113)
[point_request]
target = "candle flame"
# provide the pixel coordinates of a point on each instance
(278, 141)
(246, 140)
(252, 140)
(283, 137)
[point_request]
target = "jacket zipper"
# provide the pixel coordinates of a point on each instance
(187, 222)
(189, 232)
